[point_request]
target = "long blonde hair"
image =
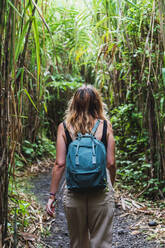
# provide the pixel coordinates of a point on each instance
(84, 107)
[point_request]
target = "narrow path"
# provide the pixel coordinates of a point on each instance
(58, 238)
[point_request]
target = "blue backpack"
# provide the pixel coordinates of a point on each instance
(86, 163)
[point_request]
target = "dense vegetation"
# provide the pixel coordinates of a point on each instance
(49, 48)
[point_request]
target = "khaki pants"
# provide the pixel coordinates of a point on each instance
(90, 217)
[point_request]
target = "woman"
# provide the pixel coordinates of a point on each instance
(89, 215)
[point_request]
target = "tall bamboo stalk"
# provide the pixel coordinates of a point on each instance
(4, 116)
(12, 84)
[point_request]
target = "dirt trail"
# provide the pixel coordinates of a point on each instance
(122, 237)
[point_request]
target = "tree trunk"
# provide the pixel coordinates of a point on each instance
(4, 117)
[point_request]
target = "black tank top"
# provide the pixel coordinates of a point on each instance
(103, 138)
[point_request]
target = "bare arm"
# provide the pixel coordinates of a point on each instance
(58, 168)
(59, 165)
(111, 164)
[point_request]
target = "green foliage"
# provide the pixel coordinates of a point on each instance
(23, 211)
(133, 154)
(61, 83)
(131, 145)
(116, 45)
(60, 89)
(19, 161)
(19, 208)
(42, 148)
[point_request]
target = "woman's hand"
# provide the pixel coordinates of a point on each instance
(50, 207)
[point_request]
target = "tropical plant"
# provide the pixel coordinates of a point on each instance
(49, 48)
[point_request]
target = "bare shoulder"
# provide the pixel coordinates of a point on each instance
(109, 128)
(101, 123)
(110, 136)
(60, 128)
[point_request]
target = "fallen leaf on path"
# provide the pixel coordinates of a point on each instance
(123, 215)
(123, 203)
(136, 205)
(28, 236)
(135, 232)
(143, 208)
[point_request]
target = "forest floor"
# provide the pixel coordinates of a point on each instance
(131, 220)
(137, 224)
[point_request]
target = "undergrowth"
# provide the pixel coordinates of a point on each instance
(132, 153)
(30, 152)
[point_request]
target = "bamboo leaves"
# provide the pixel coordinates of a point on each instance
(21, 39)
(12, 5)
(28, 95)
(37, 45)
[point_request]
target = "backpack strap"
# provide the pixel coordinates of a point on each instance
(95, 127)
(68, 137)
(104, 135)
